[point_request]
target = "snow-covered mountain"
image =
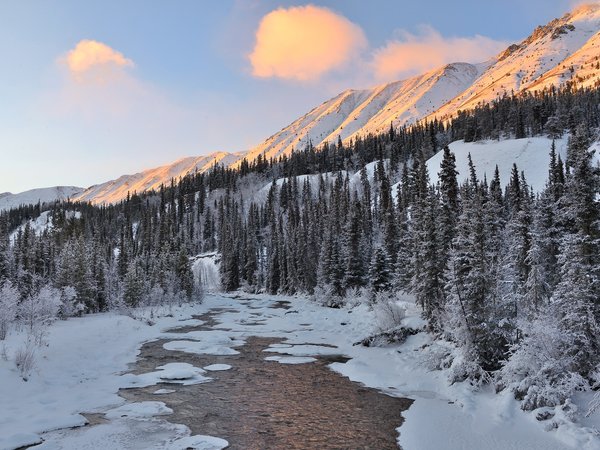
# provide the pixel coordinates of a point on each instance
(355, 112)
(42, 195)
(565, 50)
(116, 190)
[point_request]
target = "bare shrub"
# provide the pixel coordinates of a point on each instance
(25, 360)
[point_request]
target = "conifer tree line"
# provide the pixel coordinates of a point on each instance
(497, 271)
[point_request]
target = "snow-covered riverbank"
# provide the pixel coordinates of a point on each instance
(80, 370)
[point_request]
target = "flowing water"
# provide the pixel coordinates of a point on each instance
(266, 405)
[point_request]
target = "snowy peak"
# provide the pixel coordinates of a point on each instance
(359, 112)
(585, 10)
(565, 50)
(550, 56)
(34, 196)
(116, 190)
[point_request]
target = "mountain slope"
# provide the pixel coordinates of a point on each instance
(564, 50)
(355, 112)
(42, 195)
(116, 190)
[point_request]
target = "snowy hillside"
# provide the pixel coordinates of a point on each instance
(116, 190)
(532, 155)
(34, 196)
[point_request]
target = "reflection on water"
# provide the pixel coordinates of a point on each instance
(266, 405)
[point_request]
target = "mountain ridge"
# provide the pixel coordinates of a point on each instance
(565, 50)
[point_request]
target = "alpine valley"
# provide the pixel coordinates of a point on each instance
(414, 265)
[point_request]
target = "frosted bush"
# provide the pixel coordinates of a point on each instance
(9, 298)
(465, 366)
(437, 357)
(539, 371)
(70, 306)
(325, 296)
(388, 313)
(357, 296)
(39, 310)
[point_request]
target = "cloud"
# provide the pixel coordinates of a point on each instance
(94, 61)
(412, 54)
(303, 43)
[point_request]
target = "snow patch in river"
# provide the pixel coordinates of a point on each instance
(217, 367)
(291, 359)
(139, 410)
(200, 348)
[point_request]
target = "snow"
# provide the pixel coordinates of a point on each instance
(312, 179)
(199, 442)
(201, 348)
(77, 371)
(41, 195)
(164, 391)
(305, 350)
(174, 373)
(42, 223)
(542, 60)
(121, 433)
(359, 112)
(139, 410)
(116, 190)
(217, 367)
(291, 359)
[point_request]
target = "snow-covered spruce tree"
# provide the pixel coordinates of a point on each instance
(355, 269)
(513, 265)
(472, 320)
(134, 284)
(577, 296)
(560, 349)
(428, 264)
(380, 272)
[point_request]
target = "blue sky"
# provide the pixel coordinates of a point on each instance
(92, 90)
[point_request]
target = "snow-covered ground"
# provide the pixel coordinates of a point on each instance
(80, 370)
(531, 155)
(42, 223)
(84, 365)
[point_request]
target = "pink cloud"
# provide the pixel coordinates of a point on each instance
(303, 43)
(94, 61)
(412, 54)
